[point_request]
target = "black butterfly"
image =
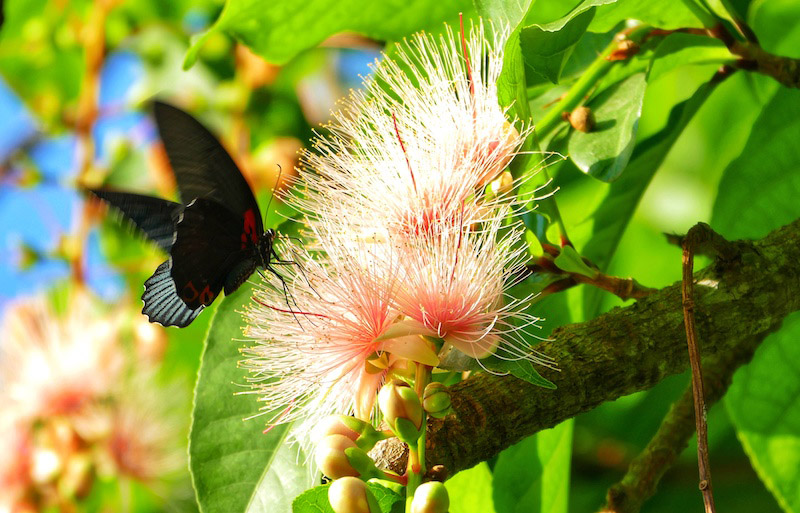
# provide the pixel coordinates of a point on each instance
(215, 239)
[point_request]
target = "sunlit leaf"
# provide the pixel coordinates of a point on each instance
(235, 466)
(471, 490)
(280, 29)
(546, 47)
(533, 475)
(604, 152)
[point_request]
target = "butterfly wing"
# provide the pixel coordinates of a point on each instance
(161, 301)
(211, 251)
(154, 217)
(202, 167)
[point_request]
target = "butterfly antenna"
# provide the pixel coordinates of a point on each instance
(269, 203)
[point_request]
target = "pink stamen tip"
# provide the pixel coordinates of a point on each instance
(283, 414)
(405, 154)
(293, 312)
(466, 55)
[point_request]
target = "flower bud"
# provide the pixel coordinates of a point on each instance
(351, 495)
(402, 410)
(331, 458)
(362, 433)
(339, 456)
(436, 400)
(430, 497)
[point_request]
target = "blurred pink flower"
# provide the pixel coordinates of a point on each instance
(53, 365)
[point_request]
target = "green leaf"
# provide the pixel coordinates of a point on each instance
(281, 29)
(546, 47)
(604, 152)
(471, 490)
(570, 261)
(687, 49)
(612, 216)
(661, 14)
(315, 500)
(760, 190)
(533, 475)
(522, 369)
(235, 466)
(762, 402)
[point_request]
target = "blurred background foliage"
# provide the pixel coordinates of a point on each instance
(75, 80)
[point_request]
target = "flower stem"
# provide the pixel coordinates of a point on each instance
(416, 457)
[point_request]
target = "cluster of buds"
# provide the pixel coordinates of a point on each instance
(343, 442)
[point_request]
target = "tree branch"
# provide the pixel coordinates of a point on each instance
(672, 437)
(624, 351)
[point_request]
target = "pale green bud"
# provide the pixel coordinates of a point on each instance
(430, 497)
(436, 400)
(351, 495)
(402, 411)
(331, 457)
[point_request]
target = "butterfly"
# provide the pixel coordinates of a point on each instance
(215, 238)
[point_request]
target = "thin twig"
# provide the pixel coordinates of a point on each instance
(687, 292)
(645, 471)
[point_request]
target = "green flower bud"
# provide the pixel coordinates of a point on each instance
(362, 433)
(436, 400)
(351, 495)
(430, 497)
(331, 457)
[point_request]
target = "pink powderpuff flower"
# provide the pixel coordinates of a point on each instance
(415, 147)
(54, 365)
(320, 354)
(454, 289)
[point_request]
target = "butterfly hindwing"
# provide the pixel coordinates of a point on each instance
(155, 217)
(211, 243)
(161, 301)
(202, 167)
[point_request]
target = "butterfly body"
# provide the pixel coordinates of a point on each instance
(215, 240)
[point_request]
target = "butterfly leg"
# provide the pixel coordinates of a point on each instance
(277, 260)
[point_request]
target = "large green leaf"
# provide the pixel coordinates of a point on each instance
(235, 466)
(762, 402)
(687, 49)
(759, 192)
(533, 475)
(546, 47)
(280, 29)
(661, 14)
(471, 490)
(604, 152)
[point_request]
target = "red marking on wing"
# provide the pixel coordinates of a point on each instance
(207, 296)
(189, 292)
(249, 230)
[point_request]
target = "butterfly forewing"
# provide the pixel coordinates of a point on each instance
(155, 217)
(202, 167)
